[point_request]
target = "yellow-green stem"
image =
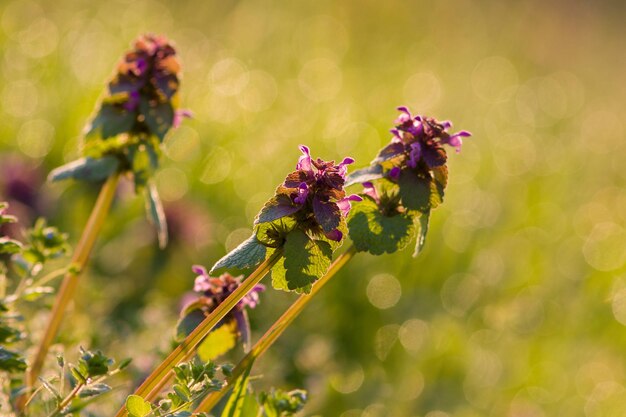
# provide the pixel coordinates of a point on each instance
(153, 385)
(274, 332)
(70, 281)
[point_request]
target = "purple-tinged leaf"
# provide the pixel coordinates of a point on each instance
(373, 172)
(327, 214)
(394, 149)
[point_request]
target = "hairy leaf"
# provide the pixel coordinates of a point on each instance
(243, 258)
(86, 169)
(305, 260)
(390, 151)
(272, 234)
(373, 232)
(370, 173)
(111, 120)
(276, 207)
(418, 192)
(159, 117)
(327, 214)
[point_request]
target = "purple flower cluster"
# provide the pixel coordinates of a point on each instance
(316, 189)
(151, 69)
(215, 290)
(419, 140)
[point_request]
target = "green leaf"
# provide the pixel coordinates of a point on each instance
(370, 173)
(421, 236)
(156, 215)
(278, 403)
(9, 245)
(235, 405)
(86, 169)
(273, 234)
(219, 341)
(373, 232)
(111, 120)
(419, 192)
(248, 255)
(275, 208)
(9, 334)
(158, 116)
(305, 260)
(32, 294)
(6, 218)
(93, 390)
(11, 361)
(137, 406)
(94, 363)
(47, 385)
(191, 319)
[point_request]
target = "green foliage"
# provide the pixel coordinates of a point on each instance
(137, 406)
(241, 260)
(219, 341)
(9, 246)
(422, 220)
(236, 405)
(111, 120)
(192, 382)
(278, 403)
(370, 173)
(419, 192)
(305, 260)
(159, 116)
(156, 214)
(377, 233)
(11, 361)
(44, 243)
(92, 364)
(86, 169)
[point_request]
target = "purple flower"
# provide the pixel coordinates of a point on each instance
(215, 290)
(370, 190)
(314, 194)
(419, 140)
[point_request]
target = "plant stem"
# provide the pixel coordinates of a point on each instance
(70, 281)
(67, 400)
(151, 387)
(274, 332)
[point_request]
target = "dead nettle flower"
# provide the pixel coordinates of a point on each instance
(418, 139)
(403, 184)
(147, 76)
(215, 290)
(314, 195)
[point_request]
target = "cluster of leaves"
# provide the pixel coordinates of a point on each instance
(305, 219)
(193, 381)
(138, 109)
(275, 403)
(21, 264)
(86, 382)
(403, 184)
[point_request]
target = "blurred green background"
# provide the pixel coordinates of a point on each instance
(516, 307)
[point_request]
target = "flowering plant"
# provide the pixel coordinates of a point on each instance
(305, 219)
(405, 181)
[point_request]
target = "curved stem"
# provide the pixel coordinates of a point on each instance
(151, 387)
(70, 281)
(274, 332)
